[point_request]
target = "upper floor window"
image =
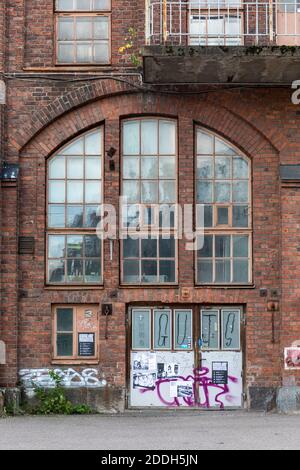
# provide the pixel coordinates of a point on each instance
(149, 184)
(83, 32)
(223, 195)
(75, 188)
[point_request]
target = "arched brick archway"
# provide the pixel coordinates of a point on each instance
(49, 134)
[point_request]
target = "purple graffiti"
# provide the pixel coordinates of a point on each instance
(201, 378)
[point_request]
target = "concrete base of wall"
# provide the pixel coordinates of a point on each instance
(262, 398)
(288, 400)
(100, 400)
(10, 400)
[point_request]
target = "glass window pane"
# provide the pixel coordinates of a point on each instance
(240, 270)
(240, 191)
(240, 168)
(204, 167)
(231, 329)
(210, 329)
(65, 29)
(162, 329)
(130, 248)
(93, 168)
(204, 143)
(74, 216)
(84, 27)
(149, 215)
(56, 216)
(149, 191)
(131, 167)
(223, 271)
(205, 251)
(75, 148)
(83, 4)
(101, 52)
(92, 269)
(75, 167)
(102, 4)
(93, 143)
(131, 271)
(166, 271)
(92, 192)
(74, 246)
(75, 270)
(167, 191)
(149, 271)
(64, 5)
(56, 271)
(183, 329)
(84, 53)
(167, 138)
(167, 247)
(204, 215)
(131, 191)
(223, 149)
(101, 27)
(92, 216)
(131, 215)
(240, 216)
(167, 216)
(204, 191)
(57, 191)
(222, 167)
(149, 137)
(222, 247)
(64, 344)
(141, 329)
(149, 248)
(56, 246)
(64, 318)
(65, 53)
(222, 191)
(131, 138)
(222, 216)
(167, 167)
(92, 246)
(205, 271)
(75, 191)
(149, 167)
(57, 167)
(240, 246)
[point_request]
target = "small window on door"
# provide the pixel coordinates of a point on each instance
(75, 333)
(161, 329)
(220, 329)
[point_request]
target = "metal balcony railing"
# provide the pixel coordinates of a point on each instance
(223, 22)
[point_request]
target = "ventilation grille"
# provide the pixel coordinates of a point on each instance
(26, 245)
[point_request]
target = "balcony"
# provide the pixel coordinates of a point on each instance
(237, 41)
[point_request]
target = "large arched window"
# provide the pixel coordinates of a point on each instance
(75, 189)
(149, 184)
(223, 196)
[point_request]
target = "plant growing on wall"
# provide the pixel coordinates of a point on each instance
(129, 46)
(54, 401)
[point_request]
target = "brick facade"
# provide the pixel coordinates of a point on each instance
(41, 115)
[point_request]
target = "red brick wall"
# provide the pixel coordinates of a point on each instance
(35, 304)
(43, 114)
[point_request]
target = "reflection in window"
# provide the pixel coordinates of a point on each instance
(223, 190)
(149, 189)
(75, 203)
(83, 39)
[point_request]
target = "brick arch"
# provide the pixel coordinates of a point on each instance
(222, 121)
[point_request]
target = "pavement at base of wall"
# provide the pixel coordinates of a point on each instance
(135, 430)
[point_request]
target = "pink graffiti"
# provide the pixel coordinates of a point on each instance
(201, 379)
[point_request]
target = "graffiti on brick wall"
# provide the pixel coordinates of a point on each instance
(31, 378)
